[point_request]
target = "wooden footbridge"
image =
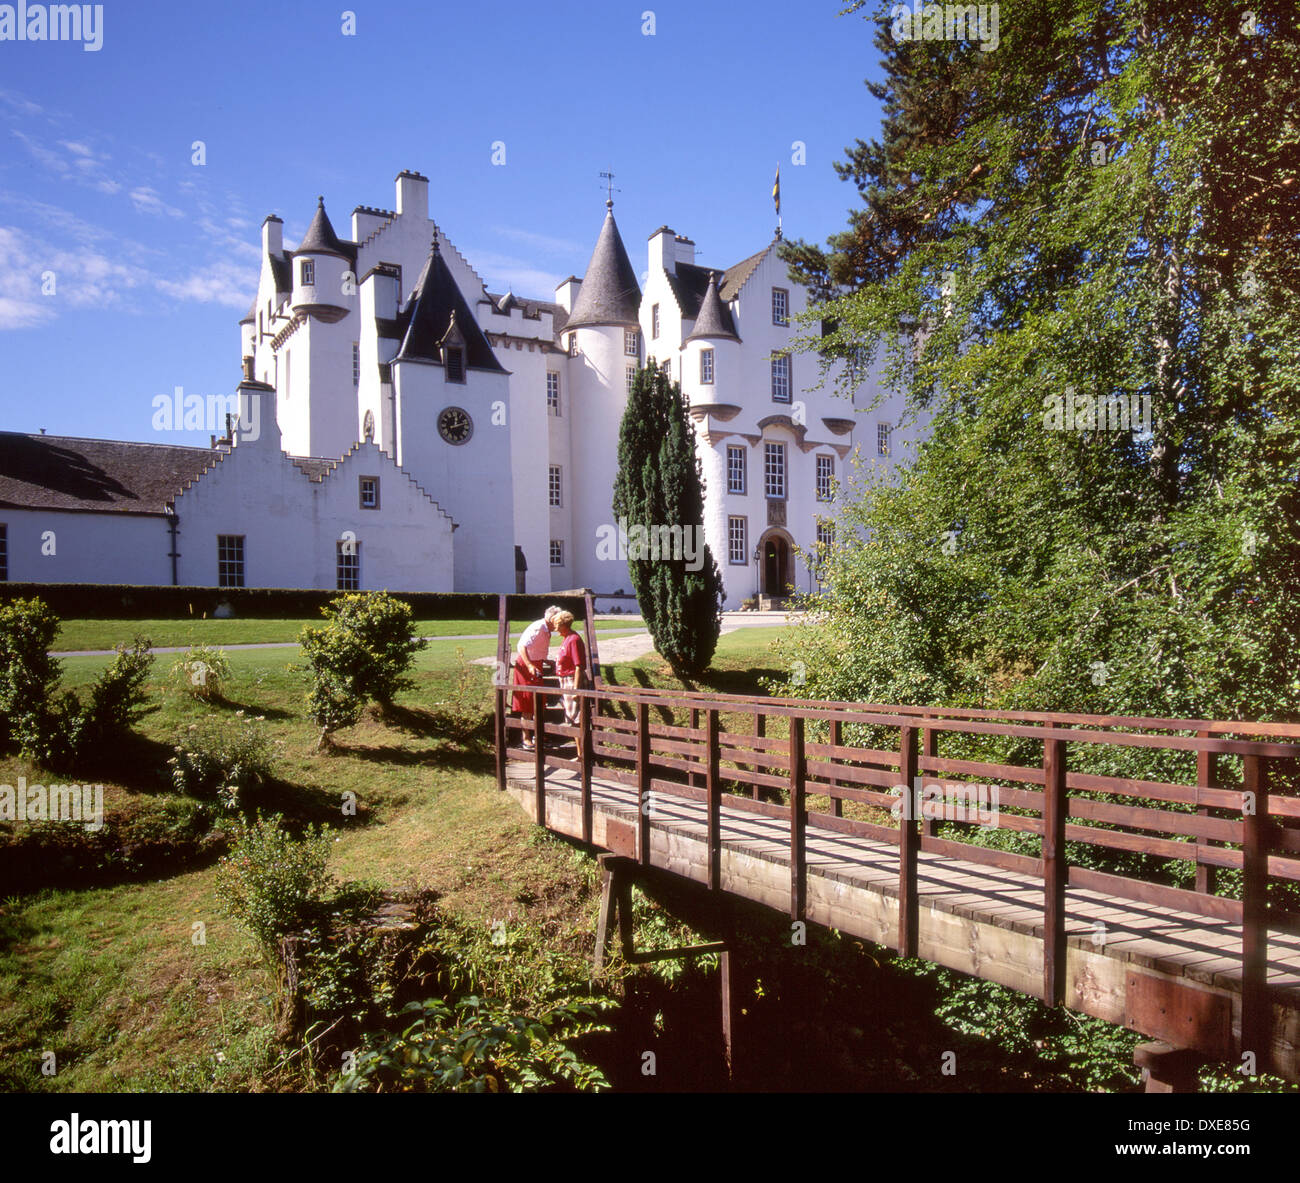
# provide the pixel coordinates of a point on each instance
(868, 819)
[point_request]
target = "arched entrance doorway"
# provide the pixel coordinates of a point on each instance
(775, 570)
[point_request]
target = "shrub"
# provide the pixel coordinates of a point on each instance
(270, 879)
(222, 757)
(116, 700)
(362, 653)
(480, 1047)
(28, 674)
(202, 672)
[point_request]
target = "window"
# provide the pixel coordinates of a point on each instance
(553, 392)
(4, 553)
(706, 366)
(632, 342)
(654, 323)
(230, 560)
(882, 439)
(573, 344)
(369, 492)
(737, 469)
(307, 272)
(356, 364)
(737, 545)
(455, 365)
(631, 378)
(825, 475)
(667, 368)
(781, 378)
(774, 470)
(825, 537)
(555, 486)
(780, 306)
(557, 553)
(348, 565)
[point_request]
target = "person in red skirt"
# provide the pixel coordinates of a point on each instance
(533, 648)
(570, 664)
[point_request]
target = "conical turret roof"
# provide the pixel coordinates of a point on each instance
(610, 293)
(320, 238)
(714, 319)
(436, 302)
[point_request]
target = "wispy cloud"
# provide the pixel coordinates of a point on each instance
(522, 277)
(224, 283)
(539, 242)
(36, 279)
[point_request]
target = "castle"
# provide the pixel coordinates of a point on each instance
(402, 427)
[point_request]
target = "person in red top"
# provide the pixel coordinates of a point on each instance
(571, 663)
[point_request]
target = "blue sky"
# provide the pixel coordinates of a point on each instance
(155, 258)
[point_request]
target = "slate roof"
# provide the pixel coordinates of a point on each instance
(610, 293)
(100, 476)
(533, 308)
(691, 282)
(282, 273)
(427, 316)
(320, 238)
(714, 317)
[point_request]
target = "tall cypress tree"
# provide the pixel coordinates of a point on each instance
(658, 495)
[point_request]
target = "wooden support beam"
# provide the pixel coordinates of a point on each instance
(909, 843)
(837, 805)
(693, 779)
(798, 823)
(760, 731)
(1055, 871)
(585, 755)
(643, 781)
(1168, 1069)
(1256, 1033)
(713, 787)
(730, 1009)
(499, 735)
(539, 757)
(1206, 778)
(929, 745)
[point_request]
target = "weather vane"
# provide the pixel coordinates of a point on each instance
(608, 178)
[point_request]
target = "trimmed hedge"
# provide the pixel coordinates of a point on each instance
(121, 601)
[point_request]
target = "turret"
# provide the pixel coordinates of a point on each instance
(711, 352)
(320, 264)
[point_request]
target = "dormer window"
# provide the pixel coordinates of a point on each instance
(307, 272)
(455, 364)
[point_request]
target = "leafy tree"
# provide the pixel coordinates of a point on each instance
(659, 490)
(1106, 208)
(362, 653)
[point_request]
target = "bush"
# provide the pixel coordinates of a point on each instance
(362, 653)
(28, 674)
(202, 672)
(479, 1047)
(270, 879)
(223, 757)
(116, 700)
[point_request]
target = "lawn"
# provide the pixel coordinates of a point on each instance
(79, 635)
(118, 982)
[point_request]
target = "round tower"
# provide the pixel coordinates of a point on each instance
(603, 335)
(319, 266)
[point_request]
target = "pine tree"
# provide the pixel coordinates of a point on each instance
(659, 485)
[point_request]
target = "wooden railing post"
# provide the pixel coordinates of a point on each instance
(694, 779)
(930, 749)
(1206, 778)
(643, 781)
(908, 844)
(1256, 1034)
(713, 789)
(760, 730)
(798, 822)
(1055, 871)
(586, 756)
(539, 755)
(499, 732)
(837, 805)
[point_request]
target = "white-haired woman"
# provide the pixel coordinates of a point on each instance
(530, 655)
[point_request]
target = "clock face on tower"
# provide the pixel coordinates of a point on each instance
(455, 425)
